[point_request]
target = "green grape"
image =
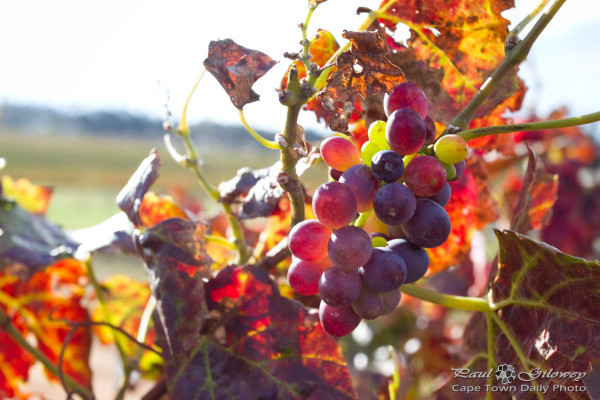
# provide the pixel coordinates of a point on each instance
(408, 159)
(451, 149)
(378, 241)
(377, 135)
(367, 152)
(450, 171)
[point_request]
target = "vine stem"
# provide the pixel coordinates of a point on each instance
(491, 359)
(513, 57)
(471, 134)
(447, 300)
(267, 143)
(7, 327)
(289, 158)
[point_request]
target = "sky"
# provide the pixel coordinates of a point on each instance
(136, 55)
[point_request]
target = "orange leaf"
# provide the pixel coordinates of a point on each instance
(155, 209)
(33, 198)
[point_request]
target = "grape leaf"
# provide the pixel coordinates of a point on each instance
(553, 318)
(538, 195)
(259, 345)
(463, 39)
(42, 304)
(28, 242)
(363, 70)
(110, 236)
(155, 209)
(130, 198)
(237, 68)
(32, 198)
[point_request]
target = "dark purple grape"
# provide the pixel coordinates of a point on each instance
(460, 170)
(335, 174)
(385, 270)
(443, 196)
(338, 321)
(425, 176)
(339, 287)
(396, 231)
(308, 240)
(349, 247)
(406, 94)
(415, 258)
(303, 276)
(431, 131)
(430, 225)
(394, 203)
(387, 166)
(369, 304)
(405, 131)
(360, 179)
(390, 301)
(334, 204)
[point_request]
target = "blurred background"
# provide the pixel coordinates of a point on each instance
(84, 86)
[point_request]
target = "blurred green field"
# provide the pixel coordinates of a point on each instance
(88, 172)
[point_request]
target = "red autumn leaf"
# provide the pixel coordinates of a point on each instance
(258, 344)
(471, 207)
(237, 68)
(33, 198)
(155, 209)
(43, 304)
(538, 195)
(364, 70)
(459, 43)
(554, 323)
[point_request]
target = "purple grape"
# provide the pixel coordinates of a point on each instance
(406, 94)
(338, 321)
(390, 301)
(360, 179)
(443, 196)
(334, 204)
(430, 225)
(394, 203)
(460, 170)
(335, 174)
(415, 258)
(369, 304)
(431, 131)
(349, 247)
(385, 271)
(425, 176)
(387, 166)
(396, 232)
(339, 287)
(405, 131)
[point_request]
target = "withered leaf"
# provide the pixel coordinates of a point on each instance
(363, 70)
(237, 68)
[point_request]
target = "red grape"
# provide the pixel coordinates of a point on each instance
(425, 176)
(334, 204)
(339, 153)
(303, 276)
(405, 131)
(308, 240)
(407, 94)
(431, 131)
(338, 321)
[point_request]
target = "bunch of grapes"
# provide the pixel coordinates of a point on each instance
(401, 176)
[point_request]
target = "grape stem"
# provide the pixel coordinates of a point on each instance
(471, 134)
(513, 56)
(447, 300)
